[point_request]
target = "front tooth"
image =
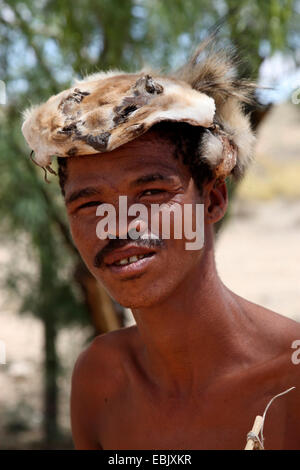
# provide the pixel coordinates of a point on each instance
(132, 259)
(124, 261)
(141, 256)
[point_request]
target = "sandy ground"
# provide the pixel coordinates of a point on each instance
(258, 255)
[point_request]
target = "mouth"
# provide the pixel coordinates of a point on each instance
(131, 262)
(132, 259)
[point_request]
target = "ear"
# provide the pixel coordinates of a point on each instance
(215, 201)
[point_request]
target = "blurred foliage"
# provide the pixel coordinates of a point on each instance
(44, 44)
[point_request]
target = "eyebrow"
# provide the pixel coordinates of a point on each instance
(150, 178)
(92, 191)
(80, 193)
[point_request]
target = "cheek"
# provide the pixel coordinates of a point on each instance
(81, 225)
(181, 259)
(83, 230)
(182, 220)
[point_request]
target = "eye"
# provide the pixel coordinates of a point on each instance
(89, 204)
(150, 192)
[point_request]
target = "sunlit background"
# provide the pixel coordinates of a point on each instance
(50, 306)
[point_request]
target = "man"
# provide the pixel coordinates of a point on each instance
(201, 362)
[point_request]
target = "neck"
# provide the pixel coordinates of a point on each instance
(194, 334)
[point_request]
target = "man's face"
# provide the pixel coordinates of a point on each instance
(146, 171)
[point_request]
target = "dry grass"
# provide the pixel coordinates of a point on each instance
(268, 179)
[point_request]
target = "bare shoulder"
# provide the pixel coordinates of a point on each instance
(99, 373)
(279, 337)
(277, 364)
(107, 353)
(271, 324)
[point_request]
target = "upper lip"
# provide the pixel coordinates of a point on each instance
(126, 252)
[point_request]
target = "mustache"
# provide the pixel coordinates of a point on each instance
(115, 243)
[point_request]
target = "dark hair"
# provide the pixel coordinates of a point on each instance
(62, 173)
(187, 141)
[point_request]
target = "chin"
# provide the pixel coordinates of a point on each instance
(145, 291)
(137, 301)
(138, 298)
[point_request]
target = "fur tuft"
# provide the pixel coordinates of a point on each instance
(26, 113)
(214, 73)
(97, 76)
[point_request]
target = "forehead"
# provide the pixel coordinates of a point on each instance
(149, 152)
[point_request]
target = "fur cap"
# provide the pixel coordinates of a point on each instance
(108, 109)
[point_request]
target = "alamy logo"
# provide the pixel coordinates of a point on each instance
(296, 94)
(166, 221)
(2, 352)
(2, 92)
(296, 354)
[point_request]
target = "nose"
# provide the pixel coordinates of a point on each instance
(132, 220)
(131, 227)
(123, 221)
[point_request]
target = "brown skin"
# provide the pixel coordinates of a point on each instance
(201, 362)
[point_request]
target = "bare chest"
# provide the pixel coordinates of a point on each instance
(213, 421)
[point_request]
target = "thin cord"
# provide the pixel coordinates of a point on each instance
(259, 437)
(256, 439)
(267, 407)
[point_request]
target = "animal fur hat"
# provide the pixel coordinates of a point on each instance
(107, 109)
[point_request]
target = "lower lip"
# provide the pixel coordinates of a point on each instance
(133, 268)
